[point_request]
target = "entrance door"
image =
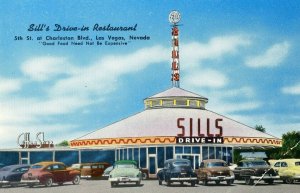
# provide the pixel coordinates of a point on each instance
(152, 164)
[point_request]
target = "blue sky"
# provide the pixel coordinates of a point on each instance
(242, 55)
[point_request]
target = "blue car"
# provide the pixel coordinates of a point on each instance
(177, 170)
(11, 175)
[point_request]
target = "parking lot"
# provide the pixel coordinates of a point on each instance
(151, 186)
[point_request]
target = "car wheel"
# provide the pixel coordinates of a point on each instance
(205, 182)
(144, 176)
(76, 180)
(159, 182)
(229, 182)
(289, 180)
(169, 183)
(49, 182)
(249, 181)
(193, 183)
(217, 182)
(30, 185)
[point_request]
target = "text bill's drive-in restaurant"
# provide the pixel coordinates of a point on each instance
(174, 124)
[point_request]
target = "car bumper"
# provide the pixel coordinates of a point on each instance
(30, 181)
(86, 177)
(220, 178)
(124, 179)
(265, 177)
(182, 179)
(4, 182)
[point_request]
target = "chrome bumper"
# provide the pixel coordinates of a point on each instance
(184, 179)
(265, 177)
(220, 178)
(124, 179)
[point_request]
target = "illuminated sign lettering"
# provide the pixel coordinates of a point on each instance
(39, 143)
(200, 135)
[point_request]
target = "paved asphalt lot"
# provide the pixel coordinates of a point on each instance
(151, 186)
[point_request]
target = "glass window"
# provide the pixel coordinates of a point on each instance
(187, 149)
(277, 164)
(196, 150)
(196, 162)
(9, 158)
(24, 154)
(178, 149)
(130, 154)
(229, 153)
(152, 150)
(121, 154)
(143, 158)
(211, 152)
(204, 152)
(136, 156)
(216, 164)
(160, 156)
(125, 154)
(169, 153)
(218, 153)
(284, 164)
(224, 154)
(97, 156)
(40, 156)
(67, 157)
(297, 163)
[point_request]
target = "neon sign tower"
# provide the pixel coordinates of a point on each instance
(174, 18)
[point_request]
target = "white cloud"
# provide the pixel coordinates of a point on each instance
(294, 90)
(8, 86)
(271, 57)
(45, 67)
(217, 47)
(205, 78)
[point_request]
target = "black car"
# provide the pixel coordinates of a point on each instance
(11, 175)
(177, 170)
(251, 170)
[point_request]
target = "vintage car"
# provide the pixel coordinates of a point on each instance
(11, 175)
(47, 173)
(215, 170)
(177, 170)
(106, 172)
(1, 165)
(255, 169)
(91, 170)
(125, 171)
(288, 169)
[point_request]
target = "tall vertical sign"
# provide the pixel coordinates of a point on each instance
(174, 18)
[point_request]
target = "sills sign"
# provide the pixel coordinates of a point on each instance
(39, 143)
(198, 136)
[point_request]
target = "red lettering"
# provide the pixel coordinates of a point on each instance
(180, 127)
(199, 129)
(208, 129)
(219, 127)
(191, 127)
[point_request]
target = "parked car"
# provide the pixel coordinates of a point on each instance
(125, 171)
(177, 170)
(106, 173)
(47, 173)
(1, 165)
(251, 170)
(288, 169)
(215, 170)
(11, 175)
(91, 170)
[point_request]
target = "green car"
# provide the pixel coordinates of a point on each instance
(125, 171)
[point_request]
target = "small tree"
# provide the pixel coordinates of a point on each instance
(64, 143)
(260, 128)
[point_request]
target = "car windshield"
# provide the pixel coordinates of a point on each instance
(216, 164)
(181, 163)
(36, 166)
(125, 166)
(256, 163)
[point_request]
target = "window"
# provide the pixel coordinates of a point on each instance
(202, 165)
(297, 163)
(196, 150)
(143, 159)
(187, 149)
(152, 150)
(277, 164)
(169, 153)
(136, 156)
(284, 164)
(218, 153)
(160, 156)
(178, 149)
(204, 152)
(211, 152)
(130, 154)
